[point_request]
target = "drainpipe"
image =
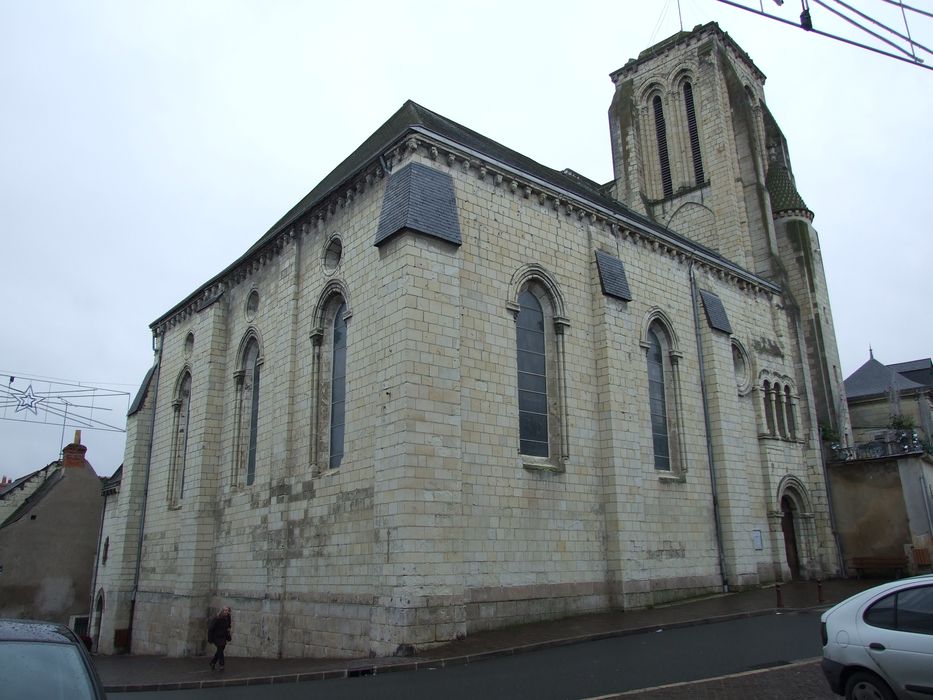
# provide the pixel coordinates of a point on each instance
(709, 441)
(157, 347)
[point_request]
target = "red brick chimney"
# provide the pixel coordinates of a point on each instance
(73, 454)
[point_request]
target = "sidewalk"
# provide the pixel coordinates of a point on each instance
(135, 673)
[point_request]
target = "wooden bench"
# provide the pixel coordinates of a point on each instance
(876, 564)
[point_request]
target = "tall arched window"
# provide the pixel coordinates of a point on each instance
(768, 397)
(694, 134)
(248, 424)
(665, 400)
(657, 397)
(329, 337)
(537, 307)
(182, 406)
(532, 377)
(660, 128)
(791, 418)
(779, 416)
(338, 387)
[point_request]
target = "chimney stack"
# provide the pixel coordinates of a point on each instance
(73, 454)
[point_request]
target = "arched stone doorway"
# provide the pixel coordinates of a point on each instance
(793, 508)
(790, 537)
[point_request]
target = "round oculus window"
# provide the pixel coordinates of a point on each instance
(252, 305)
(333, 252)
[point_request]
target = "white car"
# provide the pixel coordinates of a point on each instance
(878, 644)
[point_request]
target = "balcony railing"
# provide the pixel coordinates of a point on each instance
(903, 443)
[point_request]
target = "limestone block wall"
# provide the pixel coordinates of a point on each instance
(434, 525)
(534, 537)
(669, 553)
(114, 578)
(293, 547)
(418, 471)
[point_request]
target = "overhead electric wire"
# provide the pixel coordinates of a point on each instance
(657, 26)
(866, 29)
(908, 7)
(842, 39)
(896, 33)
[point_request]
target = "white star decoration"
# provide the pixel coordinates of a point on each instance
(27, 400)
(60, 402)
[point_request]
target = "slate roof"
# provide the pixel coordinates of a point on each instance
(875, 379)
(413, 119)
(612, 276)
(715, 312)
(111, 485)
(920, 371)
(422, 199)
(141, 394)
(913, 366)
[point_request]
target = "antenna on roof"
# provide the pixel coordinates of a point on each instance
(871, 353)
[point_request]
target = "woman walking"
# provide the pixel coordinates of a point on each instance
(218, 634)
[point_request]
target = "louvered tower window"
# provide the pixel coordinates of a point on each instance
(661, 131)
(694, 134)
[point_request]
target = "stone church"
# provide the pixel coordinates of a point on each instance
(453, 389)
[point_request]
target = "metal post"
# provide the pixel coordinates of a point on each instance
(779, 595)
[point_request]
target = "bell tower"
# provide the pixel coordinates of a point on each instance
(695, 148)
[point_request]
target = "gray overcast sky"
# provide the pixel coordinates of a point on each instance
(145, 145)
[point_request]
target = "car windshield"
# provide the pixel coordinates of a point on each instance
(43, 671)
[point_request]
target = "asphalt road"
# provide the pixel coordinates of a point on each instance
(585, 670)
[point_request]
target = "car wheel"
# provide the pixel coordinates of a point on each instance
(864, 685)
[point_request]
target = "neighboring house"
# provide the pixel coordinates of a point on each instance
(49, 524)
(888, 400)
(882, 485)
(454, 389)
